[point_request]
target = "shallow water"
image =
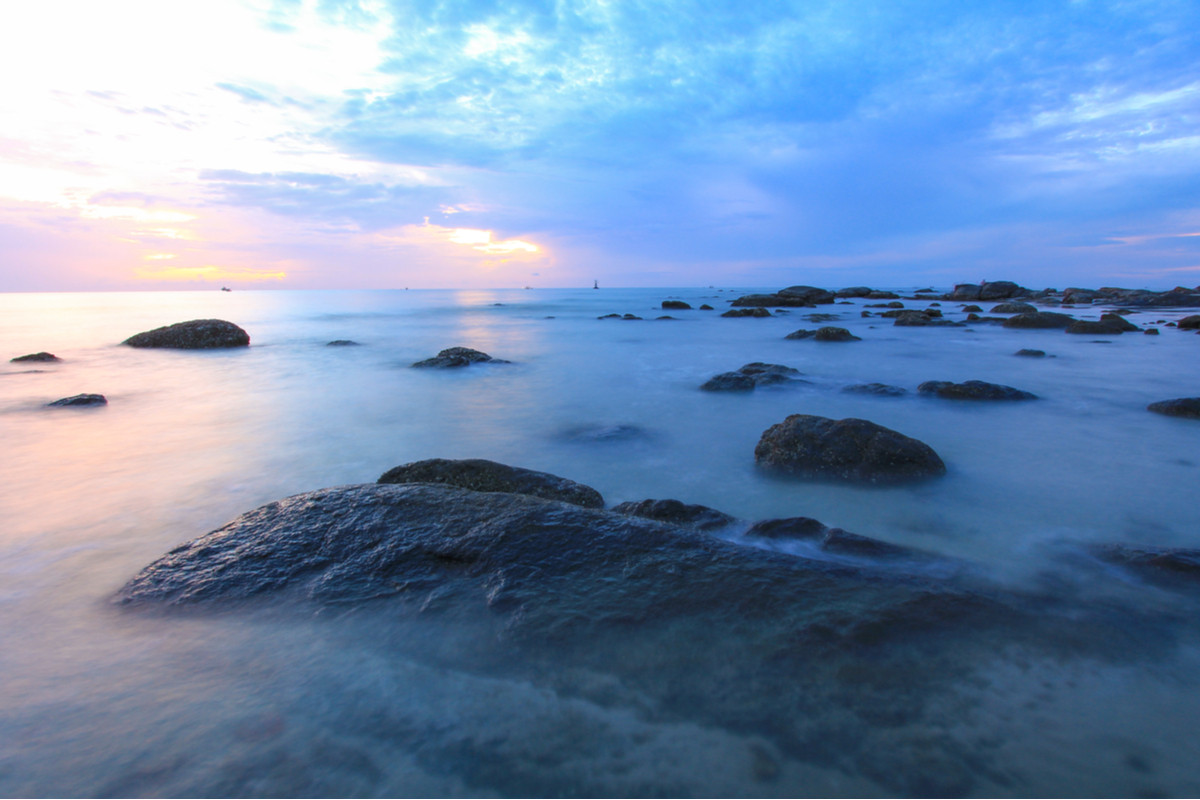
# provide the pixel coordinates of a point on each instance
(279, 701)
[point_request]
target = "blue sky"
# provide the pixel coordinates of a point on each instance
(388, 144)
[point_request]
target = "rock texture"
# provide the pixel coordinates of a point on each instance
(675, 305)
(791, 297)
(83, 400)
(829, 333)
(1039, 320)
(750, 377)
(458, 357)
(42, 357)
(1107, 324)
(1179, 407)
(481, 475)
(973, 390)
(196, 334)
(879, 389)
(676, 512)
(747, 312)
(848, 449)
(831, 540)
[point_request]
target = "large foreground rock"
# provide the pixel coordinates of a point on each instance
(196, 334)
(481, 475)
(848, 449)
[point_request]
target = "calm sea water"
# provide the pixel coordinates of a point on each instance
(94, 701)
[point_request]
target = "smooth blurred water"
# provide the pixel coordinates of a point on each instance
(93, 701)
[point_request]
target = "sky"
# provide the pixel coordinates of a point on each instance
(361, 144)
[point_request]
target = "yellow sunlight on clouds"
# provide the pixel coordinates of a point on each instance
(208, 273)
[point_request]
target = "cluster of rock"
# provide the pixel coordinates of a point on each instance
(750, 377)
(791, 297)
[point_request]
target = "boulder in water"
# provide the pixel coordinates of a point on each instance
(196, 334)
(848, 449)
(1180, 407)
(973, 390)
(1039, 320)
(458, 357)
(42, 357)
(676, 512)
(80, 401)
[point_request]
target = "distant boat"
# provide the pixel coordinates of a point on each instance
(595, 284)
(226, 289)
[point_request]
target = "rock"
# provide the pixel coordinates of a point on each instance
(791, 297)
(827, 334)
(880, 389)
(610, 316)
(1151, 331)
(848, 449)
(914, 318)
(1188, 323)
(973, 390)
(83, 400)
(42, 357)
(747, 312)
(707, 307)
(196, 334)
(1012, 308)
(831, 540)
(630, 316)
(601, 432)
(458, 357)
(1039, 320)
(1031, 353)
(751, 376)
(822, 317)
(699, 517)
(877, 295)
(1162, 565)
(1176, 298)
(1000, 290)
(1107, 324)
(342, 343)
(972, 309)
(964, 291)
(853, 291)
(1180, 407)
(675, 305)
(481, 475)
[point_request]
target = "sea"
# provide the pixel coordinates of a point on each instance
(97, 700)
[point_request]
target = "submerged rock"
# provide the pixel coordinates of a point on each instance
(1030, 353)
(747, 312)
(1179, 407)
(602, 432)
(42, 357)
(973, 390)
(675, 305)
(80, 400)
(481, 475)
(750, 377)
(848, 449)
(677, 512)
(196, 334)
(880, 389)
(458, 357)
(342, 343)
(829, 333)
(1039, 320)
(831, 540)
(1107, 324)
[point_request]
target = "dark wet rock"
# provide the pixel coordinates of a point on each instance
(1107, 324)
(1178, 297)
(42, 357)
(828, 333)
(854, 291)
(1151, 331)
(964, 291)
(1180, 407)
(879, 295)
(1039, 320)
(831, 540)
(747, 312)
(973, 390)
(1024, 351)
(1189, 323)
(893, 304)
(848, 449)
(342, 343)
(920, 318)
(791, 297)
(481, 475)
(865, 314)
(750, 377)
(196, 334)
(879, 389)
(80, 400)
(610, 316)
(458, 357)
(666, 316)
(630, 316)
(822, 317)
(707, 307)
(1012, 308)
(602, 432)
(675, 305)
(972, 309)
(1000, 290)
(1162, 565)
(676, 512)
